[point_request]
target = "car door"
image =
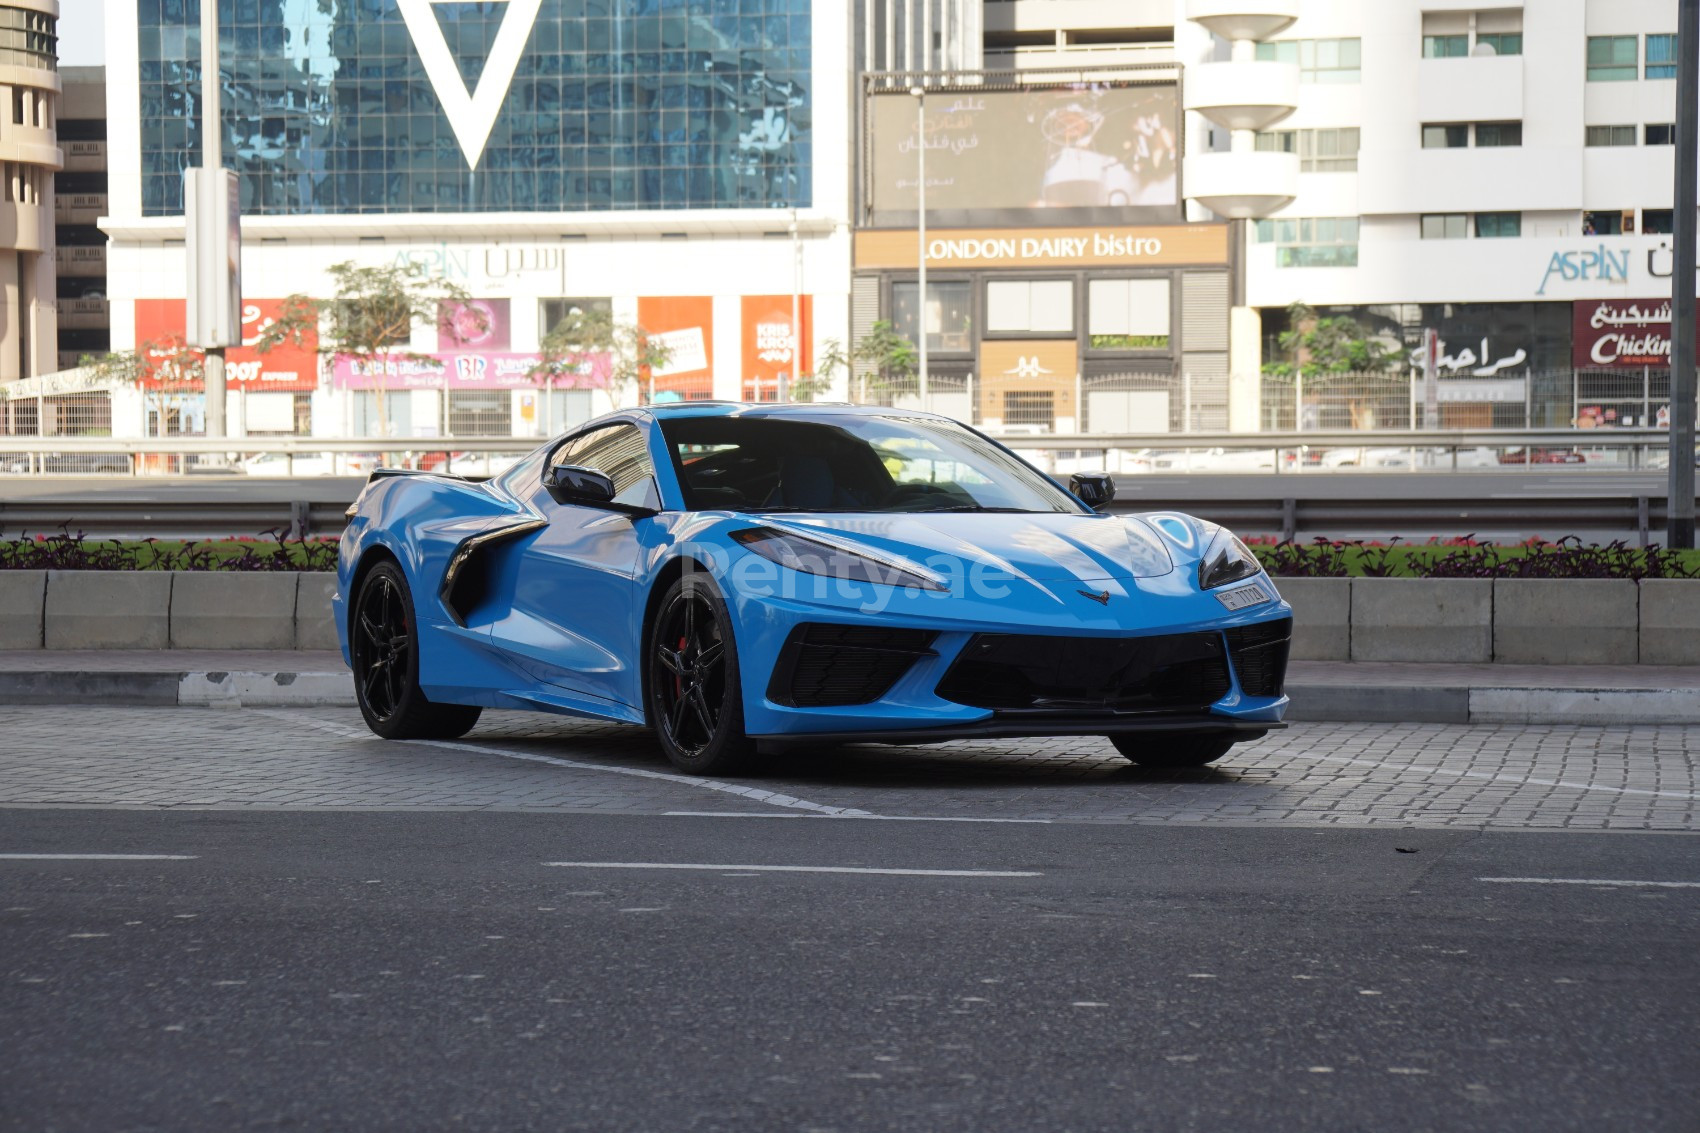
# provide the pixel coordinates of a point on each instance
(575, 610)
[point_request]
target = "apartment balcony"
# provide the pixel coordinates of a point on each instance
(1249, 95)
(85, 157)
(1243, 19)
(1241, 185)
(1474, 89)
(84, 314)
(80, 260)
(79, 208)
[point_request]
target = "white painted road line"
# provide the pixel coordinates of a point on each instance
(802, 869)
(98, 857)
(851, 814)
(754, 794)
(1592, 881)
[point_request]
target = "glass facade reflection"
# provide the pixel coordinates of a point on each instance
(614, 104)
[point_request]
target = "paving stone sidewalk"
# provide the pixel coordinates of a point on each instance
(1422, 775)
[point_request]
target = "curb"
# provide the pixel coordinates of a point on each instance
(1410, 704)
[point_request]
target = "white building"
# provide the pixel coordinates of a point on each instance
(686, 170)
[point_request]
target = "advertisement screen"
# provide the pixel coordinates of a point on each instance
(1070, 154)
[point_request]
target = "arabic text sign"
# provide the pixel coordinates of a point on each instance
(1085, 145)
(1621, 332)
(457, 371)
(1479, 358)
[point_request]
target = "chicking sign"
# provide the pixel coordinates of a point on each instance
(1621, 333)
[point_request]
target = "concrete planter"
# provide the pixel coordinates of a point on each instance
(314, 628)
(23, 597)
(1585, 621)
(1442, 620)
(216, 610)
(1670, 621)
(107, 609)
(1322, 617)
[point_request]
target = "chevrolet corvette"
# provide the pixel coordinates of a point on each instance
(749, 579)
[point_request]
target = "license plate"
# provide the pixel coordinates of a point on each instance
(1242, 596)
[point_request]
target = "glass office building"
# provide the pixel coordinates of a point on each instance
(407, 106)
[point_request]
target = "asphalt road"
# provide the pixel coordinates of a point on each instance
(429, 970)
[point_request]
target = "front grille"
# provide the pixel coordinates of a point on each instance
(823, 666)
(1177, 673)
(1259, 653)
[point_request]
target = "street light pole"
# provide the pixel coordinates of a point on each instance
(920, 94)
(796, 310)
(212, 156)
(1680, 529)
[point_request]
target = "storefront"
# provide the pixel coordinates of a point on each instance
(1102, 329)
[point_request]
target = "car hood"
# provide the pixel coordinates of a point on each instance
(1041, 547)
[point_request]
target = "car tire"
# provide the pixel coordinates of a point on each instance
(383, 644)
(695, 699)
(1165, 749)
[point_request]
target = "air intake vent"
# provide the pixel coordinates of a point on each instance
(1259, 654)
(1176, 673)
(825, 666)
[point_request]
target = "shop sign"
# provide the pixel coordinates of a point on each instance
(1046, 247)
(1621, 333)
(160, 336)
(459, 371)
(769, 339)
(1600, 264)
(473, 325)
(684, 324)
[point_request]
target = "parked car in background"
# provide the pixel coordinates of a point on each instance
(1541, 456)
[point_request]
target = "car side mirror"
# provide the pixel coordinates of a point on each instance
(574, 484)
(1094, 489)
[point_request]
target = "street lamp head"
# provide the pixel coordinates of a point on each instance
(918, 92)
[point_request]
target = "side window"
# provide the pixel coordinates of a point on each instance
(620, 453)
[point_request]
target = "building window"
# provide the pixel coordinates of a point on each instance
(1499, 43)
(1320, 151)
(1446, 137)
(1312, 242)
(1658, 222)
(1492, 134)
(1661, 57)
(1319, 60)
(950, 315)
(1604, 222)
(28, 39)
(554, 311)
(1661, 134)
(1612, 58)
(1611, 135)
(1445, 46)
(1030, 306)
(1128, 314)
(1495, 225)
(1445, 226)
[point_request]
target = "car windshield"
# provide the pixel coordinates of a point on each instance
(851, 463)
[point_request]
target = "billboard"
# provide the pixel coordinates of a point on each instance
(160, 336)
(769, 339)
(1080, 153)
(476, 324)
(684, 324)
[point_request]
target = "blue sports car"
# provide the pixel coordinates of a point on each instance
(747, 578)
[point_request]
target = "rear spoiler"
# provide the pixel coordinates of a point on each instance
(380, 473)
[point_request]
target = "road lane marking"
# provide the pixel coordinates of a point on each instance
(1592, 881)
(98, 857)
(754, 794)
(1519, 779)
(801, 869)
(850, 814)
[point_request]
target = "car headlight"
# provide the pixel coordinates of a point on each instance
(815, 556)
(1226, 560)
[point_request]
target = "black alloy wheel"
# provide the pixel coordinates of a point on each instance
(695, 697)
(383, 643)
